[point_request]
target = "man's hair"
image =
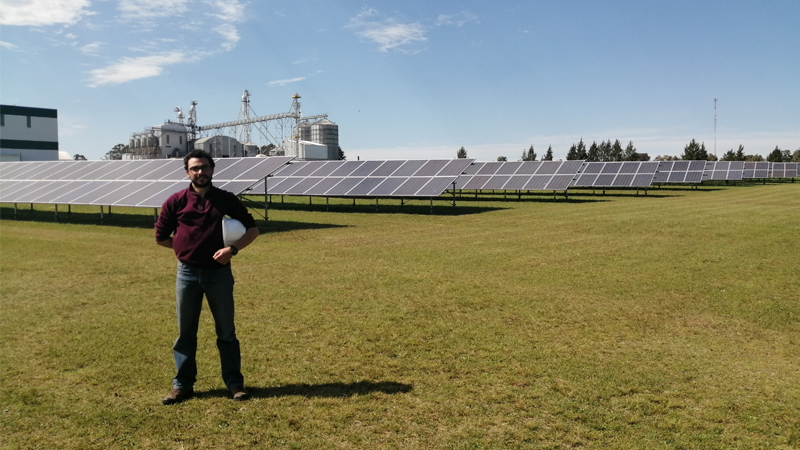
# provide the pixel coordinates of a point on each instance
(197, 154)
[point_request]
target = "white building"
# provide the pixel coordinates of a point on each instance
(161, 141)
(220, 146)
(305, 150)
(28, 134)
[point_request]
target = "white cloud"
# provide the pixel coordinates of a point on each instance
(285, 82)
(386, 32)
(458, 20)
(43, 12)
(227, 10)
(129, 69)
(7, 45)
(148, 9)
(92, 49)
(229, 34)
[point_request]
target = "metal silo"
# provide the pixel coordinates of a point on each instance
(327, 133)
(304, 131)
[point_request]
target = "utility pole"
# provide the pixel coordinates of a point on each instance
(715, 127)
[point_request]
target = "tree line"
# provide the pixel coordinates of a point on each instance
(608, 151)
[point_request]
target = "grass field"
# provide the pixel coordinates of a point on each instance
(666, 321)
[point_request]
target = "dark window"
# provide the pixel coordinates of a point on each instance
(29, 121)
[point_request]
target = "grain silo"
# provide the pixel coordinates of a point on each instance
(327, 133)
(304, 131)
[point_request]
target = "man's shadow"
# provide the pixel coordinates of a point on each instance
(331, 390)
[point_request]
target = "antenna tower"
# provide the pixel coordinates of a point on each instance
(715, 127)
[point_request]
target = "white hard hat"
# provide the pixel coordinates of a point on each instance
(232, 230)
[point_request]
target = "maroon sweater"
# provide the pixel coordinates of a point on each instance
(197, 224)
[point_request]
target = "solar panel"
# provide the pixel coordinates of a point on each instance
(784, 170)
(345, 169)
(560, 182)
(756, 169)
(509, 168)
(343, 187)
(82, 188)
(477, 182)
(489, 168)
(368, 178)
(496, 182)
(517, 182)
(679, 172)
(121, 183)
(723, 170)
(158, 199)
(365, 186)
(619, 174)
(366, 168)
(387, 168)
(387, 186)
(323, 186)
(519, 175)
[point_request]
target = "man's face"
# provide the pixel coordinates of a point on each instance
(200, 172)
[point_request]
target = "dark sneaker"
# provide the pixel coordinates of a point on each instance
(239, 393)
(177, 396)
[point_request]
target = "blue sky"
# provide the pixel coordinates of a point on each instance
(417, 79)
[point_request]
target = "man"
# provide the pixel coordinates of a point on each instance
(195, 215)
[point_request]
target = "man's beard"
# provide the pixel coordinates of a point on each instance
(202, 184)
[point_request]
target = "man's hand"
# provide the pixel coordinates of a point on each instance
(223, 255)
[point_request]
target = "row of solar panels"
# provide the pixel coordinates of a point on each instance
(391, 178)
(148, 183)
(538, 175)
(143, 183)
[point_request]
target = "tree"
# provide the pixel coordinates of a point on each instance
(502, 158)
(787, 155)
(776, 155)
(740, 153)
(548, 156)
(604, 151)
(754, 158)
(594, 152)
(341, 154)
(629, 154)
(266, 149)
(695, 151)
(78, 157)
(572, 154)
(529, 155)
(116, 152)
(796, 155)
(731, 155)
(582, 150)
(616, 151)
(462, 153)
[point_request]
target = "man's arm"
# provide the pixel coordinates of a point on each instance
(223, 255)
(165, 243)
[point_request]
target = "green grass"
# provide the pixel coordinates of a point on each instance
(663, 321)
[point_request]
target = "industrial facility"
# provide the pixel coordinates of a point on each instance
(284, 134)
(28, 134)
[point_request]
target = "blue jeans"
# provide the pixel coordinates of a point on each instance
(217, 285)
